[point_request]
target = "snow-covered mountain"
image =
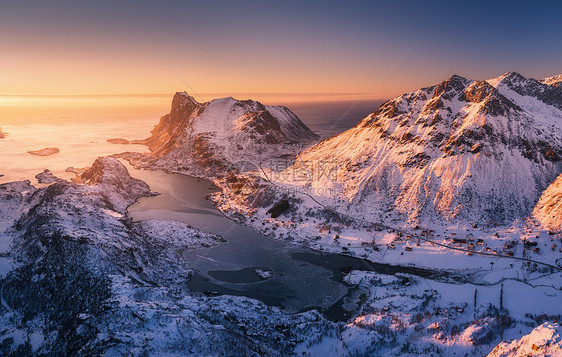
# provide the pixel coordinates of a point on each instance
(206, 139)
(480, 150)
(548, 210)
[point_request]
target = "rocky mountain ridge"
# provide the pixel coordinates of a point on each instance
(209, 139)
(483, 151)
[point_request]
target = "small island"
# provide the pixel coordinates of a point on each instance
(47, 177)
(118, 141)
(45, 152)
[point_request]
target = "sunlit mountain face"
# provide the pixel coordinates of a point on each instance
(258, 179)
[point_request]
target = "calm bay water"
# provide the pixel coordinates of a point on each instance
(330, 118)
(302, 279)
(228, 267)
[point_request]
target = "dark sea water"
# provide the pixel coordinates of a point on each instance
(327, 118)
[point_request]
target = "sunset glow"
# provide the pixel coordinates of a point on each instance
(66, 47)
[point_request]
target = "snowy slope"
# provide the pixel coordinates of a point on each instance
(552, 81)
(479, 150)
(87, 279)
(548, 210)
(207, 139)
(544, 340)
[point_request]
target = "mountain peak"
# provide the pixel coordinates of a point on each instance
(183, 95)
(456, 77)
(183, 101)
(547, 91)
(507, 77)
(512, 77)
(555, 81)
(451, 87)
(513, 74)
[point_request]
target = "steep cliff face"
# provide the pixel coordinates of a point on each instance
(548, 210)
(208, 139)
(167, 133)
(480, 150)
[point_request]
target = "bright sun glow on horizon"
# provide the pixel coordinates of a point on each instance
(37, 108)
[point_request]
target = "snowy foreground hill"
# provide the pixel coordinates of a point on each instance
(545, 340)
(80, 278)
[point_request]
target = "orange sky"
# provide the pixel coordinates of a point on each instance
(87, 67)
(105, 47)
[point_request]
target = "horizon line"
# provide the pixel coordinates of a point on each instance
(117, 95)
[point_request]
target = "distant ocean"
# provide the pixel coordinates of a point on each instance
(80, 126)
(326, 114)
